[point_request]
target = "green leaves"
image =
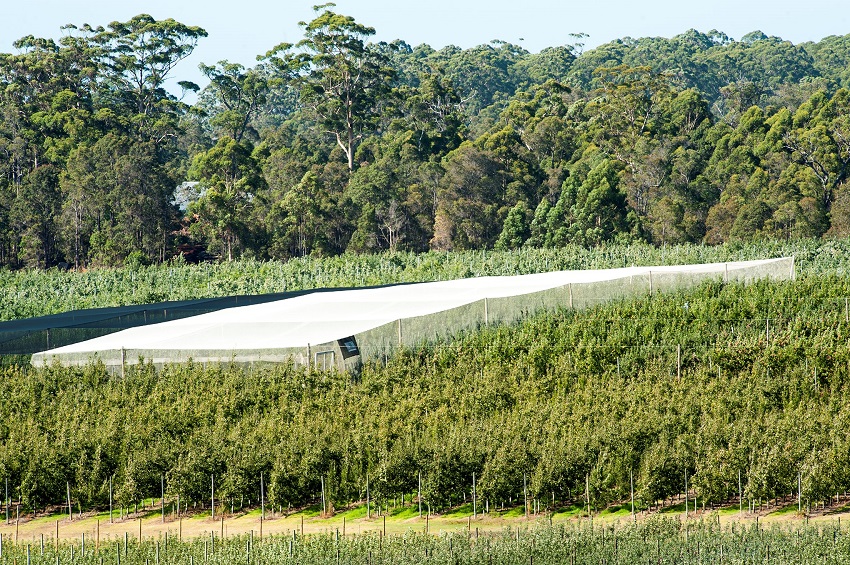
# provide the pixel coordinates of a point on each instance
(140, 54)
(342, 79)
(234, 96)
(230, 179)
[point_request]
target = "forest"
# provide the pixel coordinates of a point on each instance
(337, 144)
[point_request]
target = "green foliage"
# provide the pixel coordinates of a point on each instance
(663, 540)
(363, 147)
(29, 293)
(230, 179)
(708, 382)
(342, 78)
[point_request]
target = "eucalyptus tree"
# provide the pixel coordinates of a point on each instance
(234, 97)
(344, 81)
(231, 178)
(46, 109)
(820, 140)
(130, 207)
(137, 57)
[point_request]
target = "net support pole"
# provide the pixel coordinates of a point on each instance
(486, 313)
(650, 283)
(400, 340)
(571, 296)
(793, 269)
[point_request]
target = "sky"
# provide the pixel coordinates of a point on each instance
(239, 30)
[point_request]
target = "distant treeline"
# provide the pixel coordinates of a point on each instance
(337, 144)
(721, 382)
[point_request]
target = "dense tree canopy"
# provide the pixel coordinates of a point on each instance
(337, 144)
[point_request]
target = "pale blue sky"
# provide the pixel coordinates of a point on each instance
(241, 29)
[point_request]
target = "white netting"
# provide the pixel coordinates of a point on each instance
(308, 329)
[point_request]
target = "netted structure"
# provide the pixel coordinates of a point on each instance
(341, 328)
(31, 335)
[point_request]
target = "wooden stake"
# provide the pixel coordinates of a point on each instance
(70, 508)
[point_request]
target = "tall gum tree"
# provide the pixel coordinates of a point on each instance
(234, 96)
(136, 58)
(343, 80)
